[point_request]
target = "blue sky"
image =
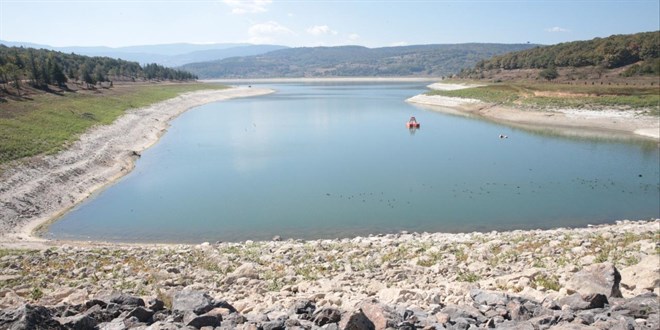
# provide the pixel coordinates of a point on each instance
(314, 23)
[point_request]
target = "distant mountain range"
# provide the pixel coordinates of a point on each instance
(353, 61)
(170, 55)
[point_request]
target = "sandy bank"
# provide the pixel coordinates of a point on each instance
(602, 123)
(43, 188)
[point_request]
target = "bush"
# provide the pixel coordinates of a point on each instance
(549, 73)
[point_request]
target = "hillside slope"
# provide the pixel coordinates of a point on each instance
(164, 54)
(637, 54)
(353, 61)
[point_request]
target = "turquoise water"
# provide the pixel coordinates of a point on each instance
(336, 160)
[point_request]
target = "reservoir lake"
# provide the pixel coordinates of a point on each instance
(334, 160)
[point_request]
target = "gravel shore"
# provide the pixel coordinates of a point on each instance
(422, 272)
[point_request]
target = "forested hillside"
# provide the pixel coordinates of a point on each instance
(353, 61)
(641, 51)
(40, 68)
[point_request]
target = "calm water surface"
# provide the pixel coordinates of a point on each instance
(335, 160)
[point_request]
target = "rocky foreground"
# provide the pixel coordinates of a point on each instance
(602, 277)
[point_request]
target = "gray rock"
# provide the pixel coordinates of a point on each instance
(543, 321)
(489, 298)
(326, 315)
(165, 326)
(574, 302)
(596, 300)
(127, 300)
(382, 316)
(78, 322)
(142, 314)
(641, 306)
(468, 312)
(517, 311)
(579, 302)
(273, 325)
(198, 302)
(95, 302)
(28, 317)
(305, 308)
(355, 320)
(198, 321)
(601, 278)
(511, 325)
(116, 324)
(224, 304)
(156, 304)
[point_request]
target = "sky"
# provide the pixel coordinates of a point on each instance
(298, 23)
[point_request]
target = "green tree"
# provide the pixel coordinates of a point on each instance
(14, 73)
(56, 75)
(549, 73)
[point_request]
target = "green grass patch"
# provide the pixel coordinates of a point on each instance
(15, 252)
(45, 124)
(505, 94)
(547, 96)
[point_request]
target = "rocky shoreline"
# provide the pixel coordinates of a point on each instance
(35, 191)
(601, 277)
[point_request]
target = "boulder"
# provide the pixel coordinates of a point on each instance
(156, 304)
(517, 311)
(303, 308)
(80, 321)
(643, 276)
(273, 325)
(198, 302)
(28, 317)
(380, 315)
(481, 297)
(455, 312)
(198, 321)
(141, 313)
(326, 315)
(247, 270)
(116, 324)
(355, 320)
(601, 278)
(578, 302)
(126, 300)
(642, 306)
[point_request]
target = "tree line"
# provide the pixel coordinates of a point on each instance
(354, 61)
(42, 67)
(608, 53)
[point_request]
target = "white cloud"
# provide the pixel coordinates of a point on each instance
(399, 43)
(353, 36)
(557, 29)
(240, 7)
(318, 30)
(267, 32)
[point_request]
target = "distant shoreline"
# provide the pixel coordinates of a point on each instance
(316, 80)
(571, 122)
